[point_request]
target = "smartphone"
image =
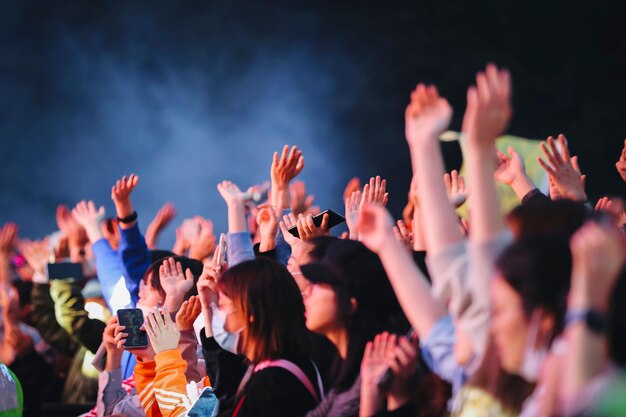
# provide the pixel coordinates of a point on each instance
(222, 247)
(333, 220)
(62, 270)
(207, 405)
(132, 320)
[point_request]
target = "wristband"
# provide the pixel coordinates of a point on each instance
(128, 219)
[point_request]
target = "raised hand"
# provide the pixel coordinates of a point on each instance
(267, 219)
(353, 185)
(174, 282)
(375, 227)
(204, 245)
(373, 366)
(614, 207)
(188, 313)
(206, 289)
(620, 165)
(563, 170)
(427, 116)
(162, 331)
(375, 192)
(8, 235)
(403, 234)
(36, 254)
(163, 217)
(353, 204)
(231, 193)
(455, 188)
(598, 255)
(90, 219)
(120, 192)
(402, 359)
(286, 167)
(301, 203)
(76, 234)
(488, 107)
(510, 167)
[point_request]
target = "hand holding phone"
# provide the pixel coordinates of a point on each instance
(333, 220)
(132, 320)
(207, 405)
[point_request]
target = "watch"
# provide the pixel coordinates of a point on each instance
(593, 319)
(128, 219)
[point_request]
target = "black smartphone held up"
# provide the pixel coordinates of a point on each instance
(62, 270)
(207, 405)
(333, 220)
(132, 320)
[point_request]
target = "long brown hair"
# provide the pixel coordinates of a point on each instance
(275, 326)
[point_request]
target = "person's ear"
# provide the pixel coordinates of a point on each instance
(546, 327)
(353, 305)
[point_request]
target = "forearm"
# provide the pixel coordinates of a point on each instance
(124, 208)
(237, 218)
(113, 360)
(522, 185)
(487, 220)
(371, 399)
(417, 228)
(411, 287)
(440, 222)
(280, 195)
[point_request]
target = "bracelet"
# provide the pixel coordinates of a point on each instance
(128, 219)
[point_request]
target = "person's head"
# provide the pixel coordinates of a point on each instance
(306, 252)
(350, 301)
(151, 293)
(261, 297)
(544, 216)
(529, 298)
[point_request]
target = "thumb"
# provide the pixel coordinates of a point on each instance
(188, 275)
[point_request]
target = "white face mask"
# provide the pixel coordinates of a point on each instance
(534, 357)
(228, 341)
(144, 309)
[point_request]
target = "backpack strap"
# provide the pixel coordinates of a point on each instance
(296, 371)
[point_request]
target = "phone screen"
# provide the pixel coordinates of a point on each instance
(132, 320)
(206, 405)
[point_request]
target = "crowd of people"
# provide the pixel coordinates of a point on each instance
(432, 315)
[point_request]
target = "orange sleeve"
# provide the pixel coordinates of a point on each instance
(144, 379)
(170, 383)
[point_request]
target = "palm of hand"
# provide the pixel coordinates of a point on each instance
(374, 225)
(509, 169)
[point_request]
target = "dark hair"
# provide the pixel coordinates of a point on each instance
(275, 325)
(539, 269)
(545, 216)
(320, 246)
(377, 307)
(152, 274)
(617, 321)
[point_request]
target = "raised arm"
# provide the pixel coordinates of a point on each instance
(239, 242)
(163, 217)
(566, 180)
(511, 171)
(284, 169)
(409, 284)
(427, 116)
(132, 250)
(108, 264)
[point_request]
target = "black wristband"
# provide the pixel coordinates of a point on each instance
(128, 219)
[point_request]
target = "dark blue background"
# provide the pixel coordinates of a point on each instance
(188, 93)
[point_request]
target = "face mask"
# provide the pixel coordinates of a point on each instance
(144, 309)
(228, 341)
(533, 356)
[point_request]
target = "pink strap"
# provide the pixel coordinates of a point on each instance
(294, 369)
